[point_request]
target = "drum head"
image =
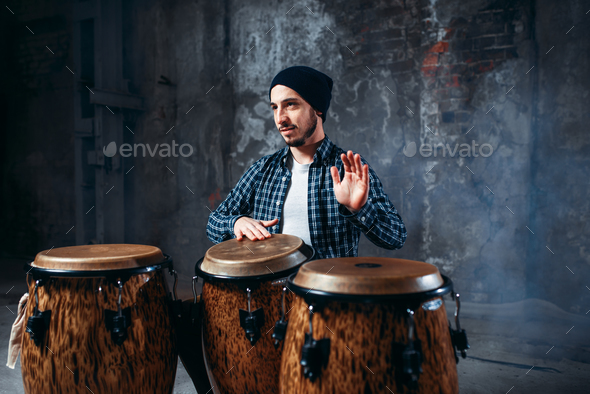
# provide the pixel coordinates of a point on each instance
(368, 276)
(245, 258)
(98, 258)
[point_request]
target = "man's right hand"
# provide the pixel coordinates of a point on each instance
(253, 229)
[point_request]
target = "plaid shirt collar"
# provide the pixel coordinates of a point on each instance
(321, 154)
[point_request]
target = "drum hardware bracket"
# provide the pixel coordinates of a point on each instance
(314, 353)
(118, 321)
(412, 354)
(196, 306)
(281, 325)
(251, 321)
(172, 271)
(458, 336)
(38, 323)
(279, 282)
(176, 303)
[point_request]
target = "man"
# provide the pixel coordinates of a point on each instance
(311, 188)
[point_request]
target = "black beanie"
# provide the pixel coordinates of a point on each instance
(313, 86)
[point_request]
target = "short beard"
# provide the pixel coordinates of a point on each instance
(308, 133)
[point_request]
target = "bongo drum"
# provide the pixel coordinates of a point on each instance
(369, 325)
(98, 321)
(244, 299)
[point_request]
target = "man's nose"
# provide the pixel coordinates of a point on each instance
(282, 117)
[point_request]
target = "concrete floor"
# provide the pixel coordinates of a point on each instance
(530, 346)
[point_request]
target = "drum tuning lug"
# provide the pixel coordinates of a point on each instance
(314, 356)
(196, 298)
(175, 303)
(314, 353)
(251, 321)
(459, 340)
(279, 333)
(458, 336)
(173, 272)
(281, 325)
(412, 362)
(38, 323)
(195, 308)
(412, 354)
(118, 321)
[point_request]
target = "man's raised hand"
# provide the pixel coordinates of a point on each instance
(353, 190)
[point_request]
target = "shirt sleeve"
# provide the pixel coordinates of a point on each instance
(239, 202)
(378, 219)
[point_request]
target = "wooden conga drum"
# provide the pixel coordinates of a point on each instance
(243, 299)
(368, 325)
(98, 321)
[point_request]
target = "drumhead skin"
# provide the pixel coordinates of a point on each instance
(98, 257)
(368, 276)
(245, 258)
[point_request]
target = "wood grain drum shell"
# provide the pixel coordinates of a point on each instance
(78, 354)
(363, 347)
(237, 366)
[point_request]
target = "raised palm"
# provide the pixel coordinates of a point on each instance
(353, 190)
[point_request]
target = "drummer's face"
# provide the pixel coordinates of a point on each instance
(294, 117)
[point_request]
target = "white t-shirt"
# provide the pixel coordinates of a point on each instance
(294, 219)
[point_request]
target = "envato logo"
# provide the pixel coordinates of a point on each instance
(465, 150)
(163, 150)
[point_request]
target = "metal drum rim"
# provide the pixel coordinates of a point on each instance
(319, 295)
(123, 272)
(258, 278)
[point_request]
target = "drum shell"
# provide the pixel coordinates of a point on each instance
(371, 332)
(78, 352)
(251, 369)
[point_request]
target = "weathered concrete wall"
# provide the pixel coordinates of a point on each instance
(187, 43)
(558, 260)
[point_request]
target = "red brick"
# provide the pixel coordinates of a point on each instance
(439, 47)
(431, 59)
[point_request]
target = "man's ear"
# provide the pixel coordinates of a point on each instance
(318, 113)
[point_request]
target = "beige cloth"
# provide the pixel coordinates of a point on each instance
(16, 335)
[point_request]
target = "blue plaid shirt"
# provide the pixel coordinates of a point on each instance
(334, 230)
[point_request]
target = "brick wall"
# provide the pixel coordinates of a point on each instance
(454, 58)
